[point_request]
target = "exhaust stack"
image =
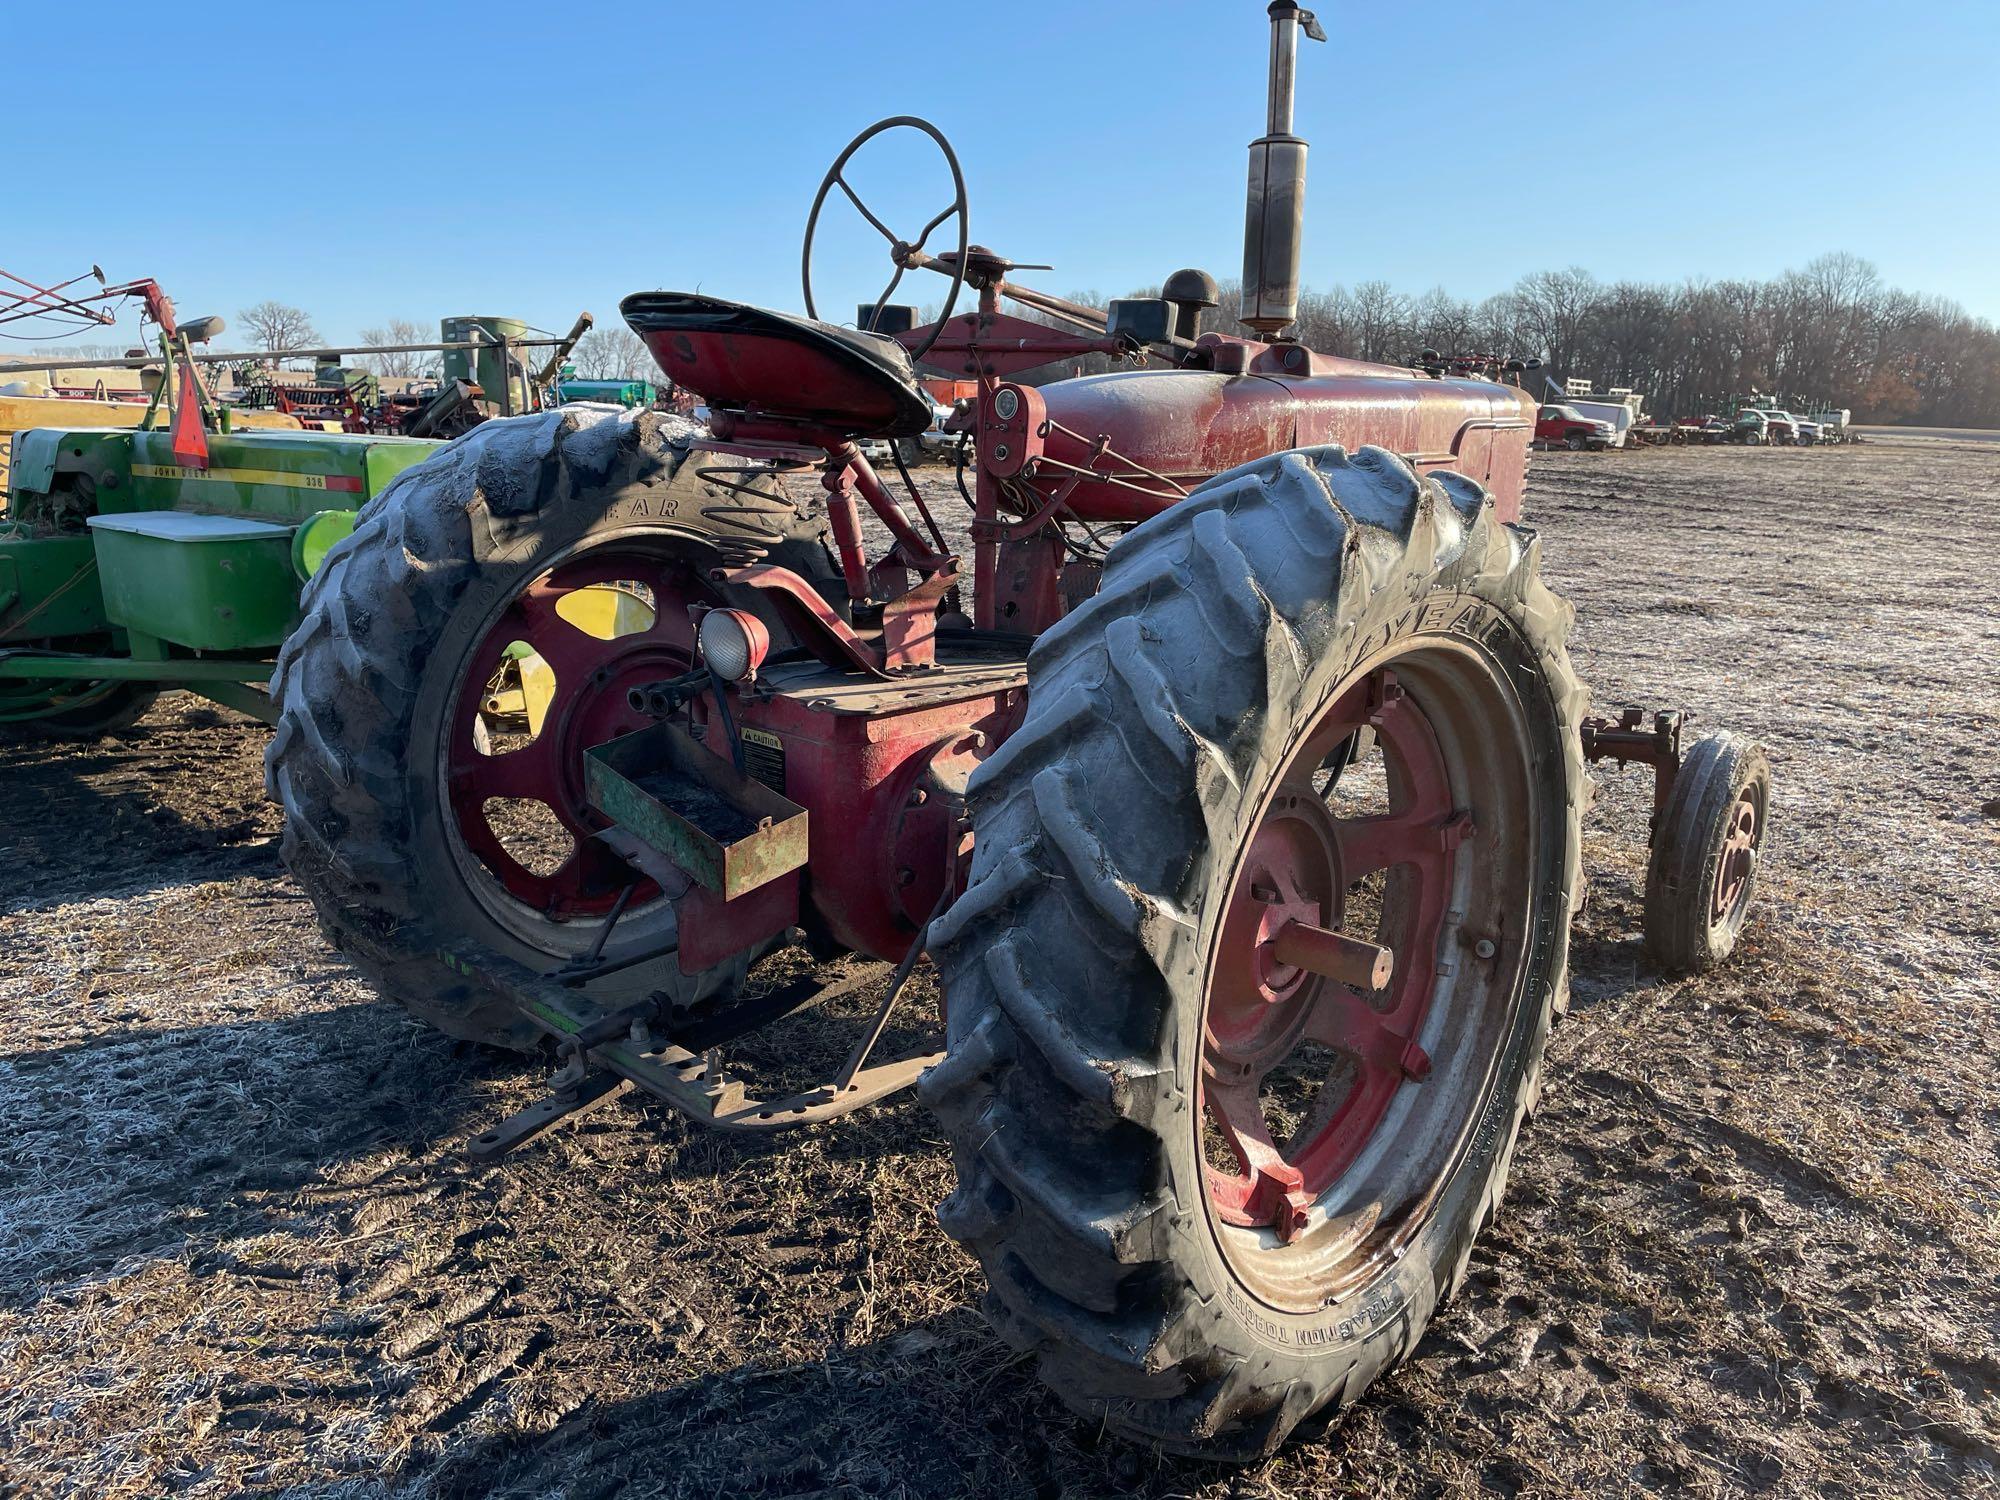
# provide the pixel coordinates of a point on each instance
(1274, 225)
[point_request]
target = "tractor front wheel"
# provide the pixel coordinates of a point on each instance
(480, 630)
(1703, 870)
(1241, 1033)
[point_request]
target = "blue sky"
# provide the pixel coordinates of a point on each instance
(415, 159)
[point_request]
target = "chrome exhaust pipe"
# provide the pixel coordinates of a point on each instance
(1274, 225)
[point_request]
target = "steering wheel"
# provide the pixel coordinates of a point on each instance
(902, 252)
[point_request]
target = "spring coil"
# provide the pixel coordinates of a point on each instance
(738, 551)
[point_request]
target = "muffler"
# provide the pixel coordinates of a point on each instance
(1274, 225)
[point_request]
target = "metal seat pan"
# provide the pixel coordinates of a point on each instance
(753, 359)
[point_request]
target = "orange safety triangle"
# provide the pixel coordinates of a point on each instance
(190, 438)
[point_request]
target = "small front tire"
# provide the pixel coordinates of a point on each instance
(1706, 853)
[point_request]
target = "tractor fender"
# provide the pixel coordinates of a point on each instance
(42, 453)
(36, 454)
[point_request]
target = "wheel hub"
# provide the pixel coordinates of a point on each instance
(625, 623)
(1310, 1031)
(1291, 875)
(1737, 863)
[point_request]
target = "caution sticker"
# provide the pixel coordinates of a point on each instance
(764, 757)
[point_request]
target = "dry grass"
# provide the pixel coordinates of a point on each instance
(1752, 1243)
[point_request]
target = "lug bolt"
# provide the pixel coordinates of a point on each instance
(1484, 948)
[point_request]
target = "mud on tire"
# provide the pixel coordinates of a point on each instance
(366, 683)
(1108, 826)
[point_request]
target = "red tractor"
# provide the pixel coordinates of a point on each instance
(1235, 794)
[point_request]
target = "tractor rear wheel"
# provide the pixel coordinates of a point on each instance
(457, 655)
(1218, 1168)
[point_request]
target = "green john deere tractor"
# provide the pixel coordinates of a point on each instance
(171, 556)
(124, 571)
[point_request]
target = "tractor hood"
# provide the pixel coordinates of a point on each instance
(1189, 425)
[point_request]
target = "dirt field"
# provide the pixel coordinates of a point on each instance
(1752, 1243)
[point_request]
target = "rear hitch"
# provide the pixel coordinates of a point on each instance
(524, 1125)
(1627, 741)
(679, 1060)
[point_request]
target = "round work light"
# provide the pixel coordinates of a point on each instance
(734, 643)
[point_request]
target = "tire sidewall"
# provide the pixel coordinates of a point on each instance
(1741, 769)
(359, 755)
(496, 578)
(1379, 1319)
(1681, 872)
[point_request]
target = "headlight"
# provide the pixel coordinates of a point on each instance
(733, 642)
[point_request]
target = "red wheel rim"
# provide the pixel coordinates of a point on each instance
(1264, 1014)
(588, 707)
(1737, 862)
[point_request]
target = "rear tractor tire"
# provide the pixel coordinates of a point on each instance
(1218, 1175)
(1702, 874)
(428, 827)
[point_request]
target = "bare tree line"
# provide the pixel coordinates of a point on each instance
(613, 353)
(271, 326)
(1830, 333)
(274, 325)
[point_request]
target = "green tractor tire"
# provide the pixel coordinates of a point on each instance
(53, 709)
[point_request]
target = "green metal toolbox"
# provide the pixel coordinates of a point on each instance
(211, 583)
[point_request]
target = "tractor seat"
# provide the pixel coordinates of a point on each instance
(735, 355)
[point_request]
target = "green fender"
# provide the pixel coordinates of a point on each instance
(41, 453)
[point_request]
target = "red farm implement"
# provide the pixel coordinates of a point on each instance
(64, 309)
(1234, 790)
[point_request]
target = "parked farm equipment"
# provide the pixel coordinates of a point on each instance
(169, 552)
(1617, 414)
(1236, 793)
(89, 392)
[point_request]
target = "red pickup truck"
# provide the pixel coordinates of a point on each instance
(1566, 427)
